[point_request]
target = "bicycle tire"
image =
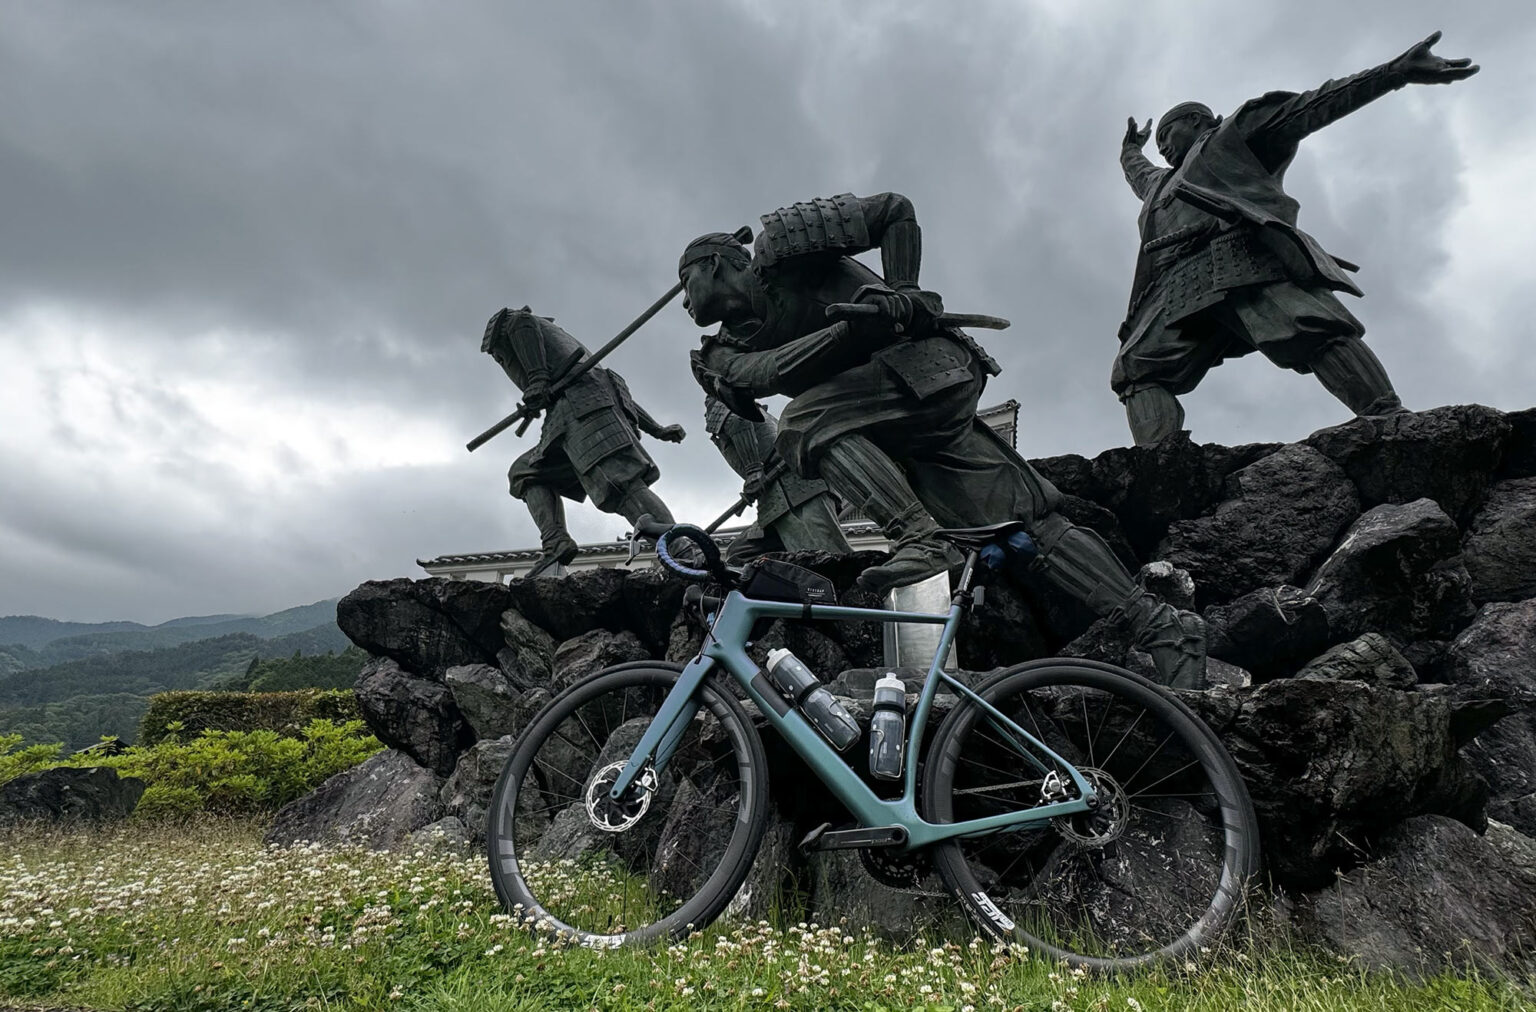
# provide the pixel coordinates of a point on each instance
(1149, 877)
(556, 858)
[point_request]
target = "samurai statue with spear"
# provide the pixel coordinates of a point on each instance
(590, 442)
(883, 394)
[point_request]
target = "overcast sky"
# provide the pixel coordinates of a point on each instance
(248, 250)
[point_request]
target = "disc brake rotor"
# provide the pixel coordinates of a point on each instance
(615, 815)
(1103, 824)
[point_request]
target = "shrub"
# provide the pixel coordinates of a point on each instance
(284, 713)
(237, 772)
(15, 760)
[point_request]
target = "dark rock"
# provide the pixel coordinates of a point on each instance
(1331, 763)
(841, 888)
(1398, 571)
(486, 698)
(446, 835)
(1518, 813)
(652, 598)
(806, 640)
(1371, 659)
(1006, 629)
(528, 656)
(1270, 632)
(684, 638)
(1500, 547)
(69, 795)
(427, 626)
(571, 605)
(1495, 659)
(1281, 516)
(467, 794)
(772, 886)
(1434, 897)
(1146, 487)
(1520, 449)
(377, 804)
(1447, 454)
(1168, 582)
(586, 654)
(1429, 659)
(413, 714)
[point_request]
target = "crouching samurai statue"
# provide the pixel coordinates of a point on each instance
(1223, 270)
(883, 403)
(590, 441)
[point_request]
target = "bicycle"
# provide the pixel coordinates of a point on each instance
(1069, 805)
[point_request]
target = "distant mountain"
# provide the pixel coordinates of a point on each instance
(104, 638)
(33, 631)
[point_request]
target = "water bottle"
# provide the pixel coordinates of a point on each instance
(888, 729)
(802, 688)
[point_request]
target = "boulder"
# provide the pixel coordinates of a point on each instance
(1447, 454)
(527, 657)
(69, 795)
(1495, 659)
(1011, 626)
(446, 835)
(1331, 764)
(411, 713)
(1399, 572)
(1280, 517)
(1500, 546)
(591, 652)
(840, 888)
(575, 604)
(1435, 897)
(1271, 631)
(426, 626)
(651, 598)
(467, 794)
(1371, 658)
(1150, 487)
(1520, 450)
(377, 804)
(486, 697)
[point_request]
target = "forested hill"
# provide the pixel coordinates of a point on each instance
(144, 672)
(29, 642)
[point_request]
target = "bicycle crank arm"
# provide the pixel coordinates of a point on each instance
(823, 838)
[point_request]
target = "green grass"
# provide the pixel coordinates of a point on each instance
(147, 917)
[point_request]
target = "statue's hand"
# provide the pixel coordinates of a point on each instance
(752, 487)
(536, 396)
(1420, 66)
(1136, 138)
(671, 433)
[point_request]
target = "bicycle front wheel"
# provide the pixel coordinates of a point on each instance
(664, 859)
(1156, 871)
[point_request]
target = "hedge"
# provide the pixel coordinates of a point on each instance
(286, 713)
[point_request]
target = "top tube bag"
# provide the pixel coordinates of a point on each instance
(775, 580)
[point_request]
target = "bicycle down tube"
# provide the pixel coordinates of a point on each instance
(724, 644)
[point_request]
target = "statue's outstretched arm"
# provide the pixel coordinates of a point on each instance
(1139, 171)
(1285, 126)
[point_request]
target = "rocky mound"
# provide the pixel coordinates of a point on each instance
(1370, 594)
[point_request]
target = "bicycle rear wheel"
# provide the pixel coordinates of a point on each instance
(666, 858)
(1158, 870)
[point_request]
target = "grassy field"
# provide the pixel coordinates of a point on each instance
(205, 918)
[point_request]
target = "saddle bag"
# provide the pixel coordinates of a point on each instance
(774, 580)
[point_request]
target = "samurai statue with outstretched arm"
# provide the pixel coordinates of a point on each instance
(883, 404)
(590, 441)
(1224, 271)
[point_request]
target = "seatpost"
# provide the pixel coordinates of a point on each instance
(965, 575)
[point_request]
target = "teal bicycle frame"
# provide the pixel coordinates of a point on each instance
(725, 644)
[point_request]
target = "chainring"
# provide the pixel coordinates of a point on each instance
(899, 869)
